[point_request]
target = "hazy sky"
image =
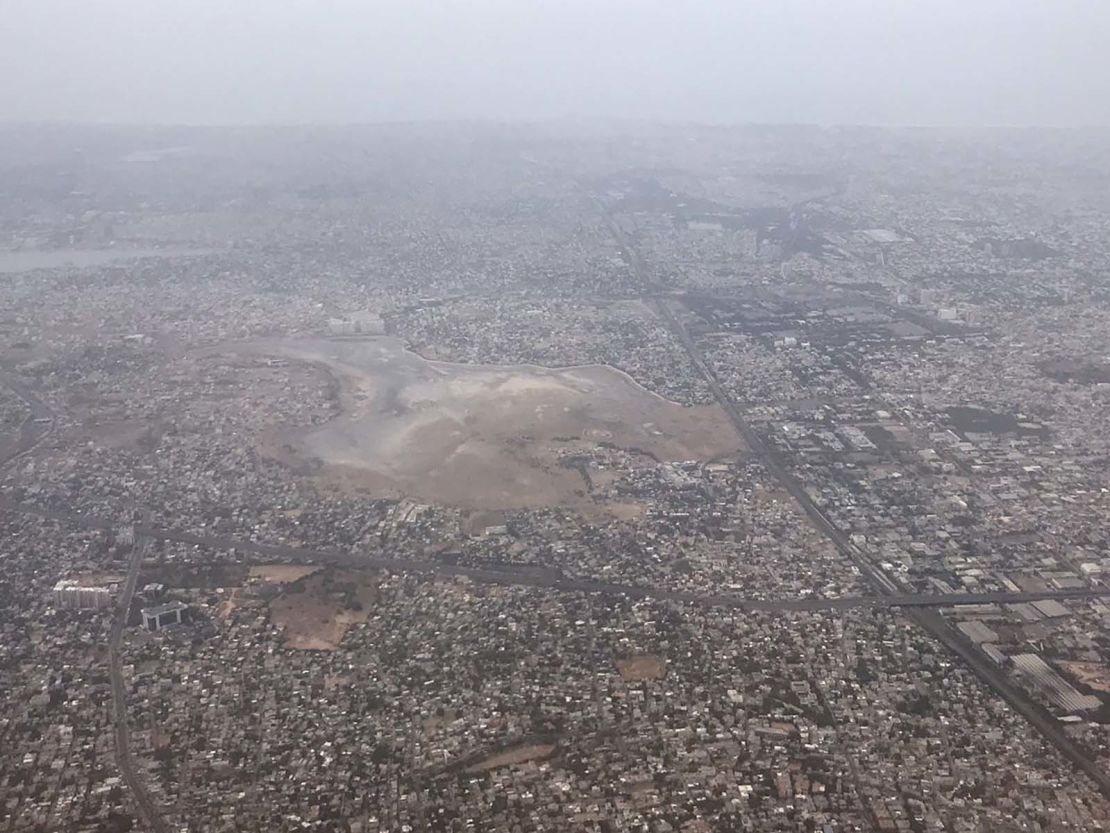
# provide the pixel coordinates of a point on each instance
(828, 61)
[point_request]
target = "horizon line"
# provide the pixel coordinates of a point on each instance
(547, 121)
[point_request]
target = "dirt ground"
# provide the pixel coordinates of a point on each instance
(516, 755)
(282, 573)
(315, 611)
(478, 437)
(1090, 674)
(642, 667)
(228, 605)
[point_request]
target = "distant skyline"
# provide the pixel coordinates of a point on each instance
(205, 62)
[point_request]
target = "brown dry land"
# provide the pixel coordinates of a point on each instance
(1091, 674)
(281, 573)
(478, 437)
(642, 667)
(228, 605)
(516, 755)
(315, 612)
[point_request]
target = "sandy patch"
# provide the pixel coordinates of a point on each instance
(626, 511)
(479, 437)
(228, 605)
(515, 755)
(315, 612)
(642, 667)
(281, 573)
(1091, 674)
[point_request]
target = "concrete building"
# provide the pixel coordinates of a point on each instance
(1040, 676)
(162, 616)
(70, 594)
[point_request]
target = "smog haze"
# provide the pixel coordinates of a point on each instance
(1024, 62)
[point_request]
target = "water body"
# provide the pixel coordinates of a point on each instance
(30, 260)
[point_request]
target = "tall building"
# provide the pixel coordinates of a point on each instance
(162, 616)
(74, 596)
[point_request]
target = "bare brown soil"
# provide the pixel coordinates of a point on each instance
(478, 437)
(516, 755)
(642, 667)
(1091, 674)
(228, 605)
(282, 573)
(626, 511)
(314, 612)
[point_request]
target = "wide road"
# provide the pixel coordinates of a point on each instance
(930, 620)
(150, 813)
(531, 576)
(34, 429)
(921, 609)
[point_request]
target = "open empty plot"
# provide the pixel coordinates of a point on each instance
(1091, 674)
(281, 573)
(479, 437)
(513, 756)
(642, 667)
(314, 612)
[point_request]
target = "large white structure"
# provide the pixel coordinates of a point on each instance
(1040, 675)
(74, 596)
(162, 616)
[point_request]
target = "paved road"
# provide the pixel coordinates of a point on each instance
(35, 428)
(33, 431)
(920, 609)
(152, 816)
(930, 620)
(530, 576)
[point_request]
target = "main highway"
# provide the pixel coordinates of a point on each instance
(34, 429)
(921, 609)
(120, 724)
(529, 576)
(32, 432)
